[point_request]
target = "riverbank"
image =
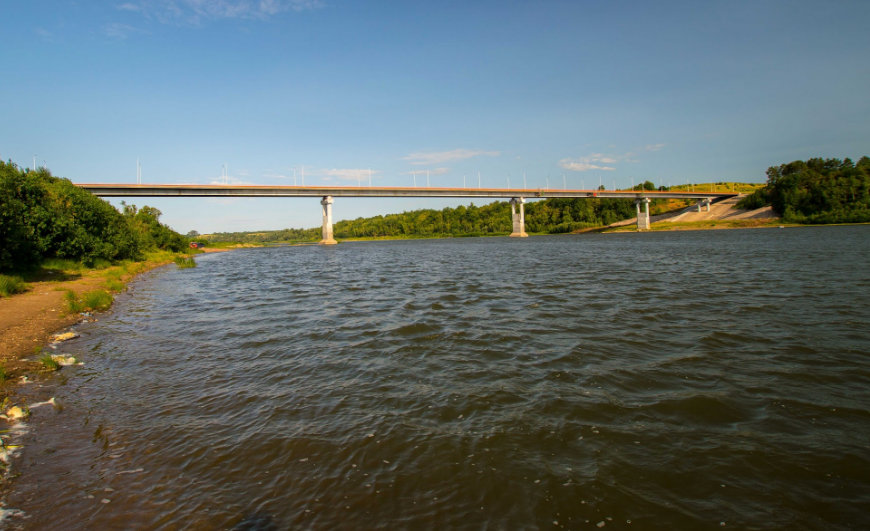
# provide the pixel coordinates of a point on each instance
(713, 224)
(30, 320)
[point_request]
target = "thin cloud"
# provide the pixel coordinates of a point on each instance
(579, 165)
(117, 30)
(432, 171)
(594, 161)
(196, 11)
(129, 7)
(347, 174)
(230, 180)
(440, 157)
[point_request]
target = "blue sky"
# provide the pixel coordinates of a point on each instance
(665, 91)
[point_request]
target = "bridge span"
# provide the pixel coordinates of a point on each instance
(517, 196)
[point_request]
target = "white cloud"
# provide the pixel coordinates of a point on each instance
(196, 11)
(593, 161)
(432, 171)
(580, 165)
(440, 157)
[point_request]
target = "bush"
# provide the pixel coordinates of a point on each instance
(755, 200)
(45, 218)
(821, 190)
(10, 285)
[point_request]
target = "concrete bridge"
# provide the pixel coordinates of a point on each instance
(517, 196)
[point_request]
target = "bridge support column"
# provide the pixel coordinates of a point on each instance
(326, 235)
(519, 218)
(707, 204)
(642, 217)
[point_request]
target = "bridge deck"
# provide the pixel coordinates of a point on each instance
(199, 190)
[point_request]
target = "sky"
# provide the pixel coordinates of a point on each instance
(567, 92)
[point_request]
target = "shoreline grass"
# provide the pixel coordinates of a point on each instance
(95, 301)
(10, 285)
(185, 262)
(706, 225)
(48, 362)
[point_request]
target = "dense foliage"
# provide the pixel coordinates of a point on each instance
(42, 216)
(548, 216)
(817, 191)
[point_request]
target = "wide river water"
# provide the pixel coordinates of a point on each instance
(682, 380)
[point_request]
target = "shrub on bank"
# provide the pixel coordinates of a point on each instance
(816, 191)
(45, 218)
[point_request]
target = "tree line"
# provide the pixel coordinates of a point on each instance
(43, 216)
(549, 216)
(816, 191)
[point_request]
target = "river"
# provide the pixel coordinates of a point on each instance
(681, 380)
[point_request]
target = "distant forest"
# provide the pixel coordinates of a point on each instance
(42, 217)
(550, 216)
(816, 191)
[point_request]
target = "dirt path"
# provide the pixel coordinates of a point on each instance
(722, 210)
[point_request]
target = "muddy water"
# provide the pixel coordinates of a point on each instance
(654, 381)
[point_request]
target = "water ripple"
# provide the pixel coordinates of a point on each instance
(674, 380)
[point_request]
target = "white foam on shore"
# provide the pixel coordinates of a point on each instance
(49, 402)
(11, 513)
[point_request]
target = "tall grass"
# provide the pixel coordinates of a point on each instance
(62, 264)
(185, 262)
(10, 285)
(96, 300)
(115, 285)
(160, 256)
(113, 279)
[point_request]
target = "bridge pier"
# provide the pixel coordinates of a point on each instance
(642, 217)
(519, 218)
(326, 234)
(704, 203)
